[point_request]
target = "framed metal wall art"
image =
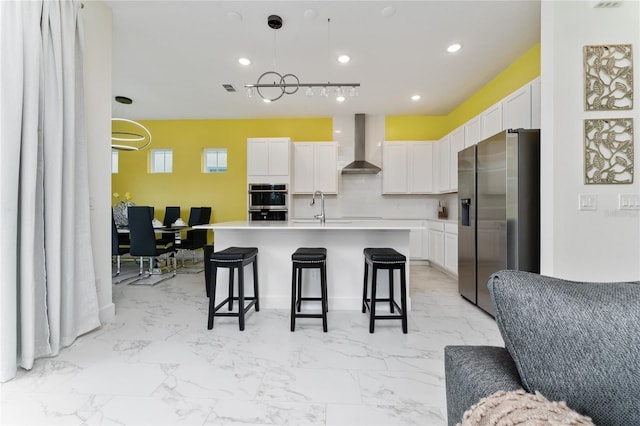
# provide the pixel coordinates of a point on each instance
(608, 77)
(608, 151)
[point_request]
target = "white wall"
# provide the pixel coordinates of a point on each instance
(601, 245)
(97, 70)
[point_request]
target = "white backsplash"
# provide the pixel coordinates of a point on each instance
(361, 196)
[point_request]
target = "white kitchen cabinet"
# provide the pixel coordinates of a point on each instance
(407, 167)
(315, 167)
(456, 144)
(436, 242)
(443, 167)
(395, 179)
(451, 248)
(491, 120)
(268, 157)
(425, 242)
(416, 247)
(420, 158)
(516, 109)
(472, 133)
(535, 103)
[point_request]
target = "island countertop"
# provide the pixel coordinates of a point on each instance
(314, 224)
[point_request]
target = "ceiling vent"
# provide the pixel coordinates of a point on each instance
(606, 4)
(229, 88)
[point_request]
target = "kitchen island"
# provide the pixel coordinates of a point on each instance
(344, 241)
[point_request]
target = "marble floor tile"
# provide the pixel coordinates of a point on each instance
(158, 364)
(384, 415)
(233, 411)
(310, 385)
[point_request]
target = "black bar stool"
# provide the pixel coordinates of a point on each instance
(233, 258)
(390, 259)
(307, 258)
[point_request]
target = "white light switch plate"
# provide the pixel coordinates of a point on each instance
(629, 201)
(587, 202)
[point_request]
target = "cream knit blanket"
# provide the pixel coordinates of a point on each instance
(522, 408)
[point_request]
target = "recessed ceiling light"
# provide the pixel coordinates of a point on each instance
(244, 61)
(388, 11)
(454, 48)
(340, 98)
(310, 14)
(338, 131)
(415, 97)
(343, 59)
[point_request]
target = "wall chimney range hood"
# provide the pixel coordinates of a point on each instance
(360, 165)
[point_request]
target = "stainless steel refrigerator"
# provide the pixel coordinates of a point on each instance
(498, 211)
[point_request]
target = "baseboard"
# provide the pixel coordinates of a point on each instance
(107, 313)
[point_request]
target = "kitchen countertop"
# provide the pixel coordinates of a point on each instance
(300, 224)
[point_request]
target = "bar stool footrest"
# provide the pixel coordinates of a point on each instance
(252, 301)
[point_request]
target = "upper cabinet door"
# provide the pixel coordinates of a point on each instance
(492, 120)
(394, 168)
(420, 158)
(444, 180)
(257, 155)
(303, 168)
(516, 109)
(456, 144)
(535, 103)
(472, 134)
(279, 157)
(327, 167)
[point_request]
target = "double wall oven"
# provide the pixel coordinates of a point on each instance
(268, 201)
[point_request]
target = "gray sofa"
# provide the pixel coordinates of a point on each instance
(572, 341)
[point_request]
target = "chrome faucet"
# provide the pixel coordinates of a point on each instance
(320, 216)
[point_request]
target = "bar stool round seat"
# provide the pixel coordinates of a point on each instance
(391, 260)
(308, 258)
(233, 258)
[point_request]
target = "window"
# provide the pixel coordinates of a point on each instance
(161, 161)
(215, 160)
(114, 161)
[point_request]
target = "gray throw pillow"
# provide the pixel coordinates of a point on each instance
(574, 341)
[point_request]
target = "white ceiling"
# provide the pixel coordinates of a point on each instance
(172, 57)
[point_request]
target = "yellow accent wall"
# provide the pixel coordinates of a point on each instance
(519, 73)
(415, 127)
(188, 186)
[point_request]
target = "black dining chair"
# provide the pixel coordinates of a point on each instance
(196, 238)
(171, 214)
(117, 248)
(143, 240)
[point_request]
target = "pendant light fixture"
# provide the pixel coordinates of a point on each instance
(128, 135)
(288, 84)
